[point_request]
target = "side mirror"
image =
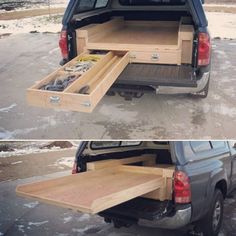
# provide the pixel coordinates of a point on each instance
(234, 146)
(203, 1)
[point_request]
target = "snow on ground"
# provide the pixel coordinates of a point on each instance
(31, 204)
(222, 25)
(16, 162)
(36, 6)
(65, 161)
(225, 27)
(34, 24)
(24, 148)
(26, 151)
(7, 109)
(38, 223)
(33, 4)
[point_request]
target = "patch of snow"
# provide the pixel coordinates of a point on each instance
(1, 234)
(84, 217)
(74, 230)
(21, 228)
(37, 24)
(32, 150)
(17, 162)
(38, 223)
(67, 219)
(7, 109)
(31, 204)
(225, 27)
(30, 5)
(65, 161)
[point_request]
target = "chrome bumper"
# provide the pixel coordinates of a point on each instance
(181, 218)
(201, 83)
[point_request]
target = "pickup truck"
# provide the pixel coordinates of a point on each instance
(129, 47)
(150, 183)
(191, 76)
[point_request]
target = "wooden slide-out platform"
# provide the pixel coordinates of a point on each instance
(97, 190)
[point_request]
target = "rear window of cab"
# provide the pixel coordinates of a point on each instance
(89, 5)
(113, 144)
(151, 2)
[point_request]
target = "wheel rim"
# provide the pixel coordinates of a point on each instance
(216, 215)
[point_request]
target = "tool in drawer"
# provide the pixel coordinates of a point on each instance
(59, 84)
(74, 72)
(83, 64)
(80, 67)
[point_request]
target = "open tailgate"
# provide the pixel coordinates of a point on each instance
(97, 190)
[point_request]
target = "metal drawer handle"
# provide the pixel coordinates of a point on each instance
(86, 104)
(54, 99)
(132, 56)
(155, 56)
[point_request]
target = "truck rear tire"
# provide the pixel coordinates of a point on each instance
(210, 225)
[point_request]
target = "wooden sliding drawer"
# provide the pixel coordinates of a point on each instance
(156, 57)
(84, 93)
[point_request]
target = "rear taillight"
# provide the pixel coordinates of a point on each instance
(204, 49)
(182, 190)
(63, 44)
(75, 169)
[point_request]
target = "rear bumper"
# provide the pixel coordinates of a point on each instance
(201, 84)
(181, 218)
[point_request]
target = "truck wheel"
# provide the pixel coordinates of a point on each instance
(210, 225)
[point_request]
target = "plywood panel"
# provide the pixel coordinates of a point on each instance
(94, 191)
(171, 40)
(148, 160)
(138, 34)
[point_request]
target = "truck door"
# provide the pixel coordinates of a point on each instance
(233, 152)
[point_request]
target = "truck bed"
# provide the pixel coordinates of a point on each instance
(157, 75)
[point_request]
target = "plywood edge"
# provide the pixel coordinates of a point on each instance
(99, 29)
(142, 169)
(130, 47)
(152, 23)
(101, 89)
(115, 162)
(58, 203)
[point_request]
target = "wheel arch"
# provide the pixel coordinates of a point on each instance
(222, 186)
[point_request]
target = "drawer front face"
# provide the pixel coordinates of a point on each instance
(61, 101)
(156, 57)
(85, 91)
